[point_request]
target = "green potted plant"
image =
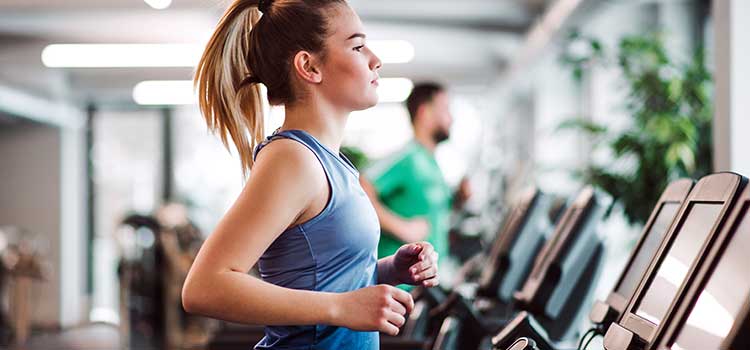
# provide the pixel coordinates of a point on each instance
(669, 134)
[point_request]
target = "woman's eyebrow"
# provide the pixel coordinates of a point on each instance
(356, 35)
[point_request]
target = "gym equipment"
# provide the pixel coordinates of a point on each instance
(604, 313)
(564, 271)
(709, 312)
(462, 328)
(523, 343)
(156, 252)
(700, 218)
(519, 239)
(141, 290)
(739, 335)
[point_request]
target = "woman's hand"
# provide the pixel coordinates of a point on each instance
(416, 264)
(377, 308)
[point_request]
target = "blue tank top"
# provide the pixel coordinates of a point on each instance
(335, 251)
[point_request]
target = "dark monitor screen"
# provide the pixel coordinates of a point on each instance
(722, 298)
(570, 220)
(673, 269)
(648, 248)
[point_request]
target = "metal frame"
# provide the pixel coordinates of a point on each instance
(739, 337)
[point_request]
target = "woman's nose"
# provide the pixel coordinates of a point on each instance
(377, 64)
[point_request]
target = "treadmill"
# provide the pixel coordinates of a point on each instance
(518, 242)
(573, 245)
(519, 239)
(605, 312)
(564, 274)
(739, 335)
(700, 219)
(712, 312)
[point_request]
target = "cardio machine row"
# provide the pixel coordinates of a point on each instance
(685, 285)
(527, 270)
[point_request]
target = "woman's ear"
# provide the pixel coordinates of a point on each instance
(306, 67)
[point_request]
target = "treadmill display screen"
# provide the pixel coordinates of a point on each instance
(672, 271)
(647, 250)
(570, 220)
(722, 299)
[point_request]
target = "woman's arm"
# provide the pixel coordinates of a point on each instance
(287, 186)
(218, 285)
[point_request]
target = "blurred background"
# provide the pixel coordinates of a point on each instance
(109, 179)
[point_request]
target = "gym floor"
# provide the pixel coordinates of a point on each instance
(98, 336)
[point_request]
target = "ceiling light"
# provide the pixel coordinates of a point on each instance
(164, 92)
(392, 51)
(121, 55)
(172, 55)
(394, 89)
(158, 4)
(180, 92)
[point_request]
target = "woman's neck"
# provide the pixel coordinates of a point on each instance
(322, 121)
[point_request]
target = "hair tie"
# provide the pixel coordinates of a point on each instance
(264, 5)
(249, 80)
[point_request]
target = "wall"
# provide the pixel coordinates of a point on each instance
(30, 197)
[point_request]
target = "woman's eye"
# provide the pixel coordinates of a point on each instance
(359, 48)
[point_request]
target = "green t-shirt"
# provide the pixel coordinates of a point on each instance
(411, 184)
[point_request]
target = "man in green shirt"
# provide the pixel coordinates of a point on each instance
(407, 189)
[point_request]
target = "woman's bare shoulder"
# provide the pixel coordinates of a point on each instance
(286, 153)
(288, 162)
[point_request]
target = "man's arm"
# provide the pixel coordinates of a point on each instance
(462, 194)
(407, 230)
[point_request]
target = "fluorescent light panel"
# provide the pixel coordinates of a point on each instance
(392, 51)
(172, 55)
(158, 4)
(164, 92)
(180, 92)
(120, 55)
(394, 89)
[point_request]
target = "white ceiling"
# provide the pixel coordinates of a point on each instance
(463, 43)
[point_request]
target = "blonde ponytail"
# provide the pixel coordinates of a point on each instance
(231, 109)
(246, 50)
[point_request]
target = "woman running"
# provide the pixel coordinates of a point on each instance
(302, 215)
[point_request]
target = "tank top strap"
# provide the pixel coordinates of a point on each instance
(323, 153)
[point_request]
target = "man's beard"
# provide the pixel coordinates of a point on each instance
(440, 135)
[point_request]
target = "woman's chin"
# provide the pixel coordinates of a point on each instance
(369, 103)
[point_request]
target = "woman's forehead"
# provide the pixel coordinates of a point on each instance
(345, 23)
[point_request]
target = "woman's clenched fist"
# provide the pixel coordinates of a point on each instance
(380, 308)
